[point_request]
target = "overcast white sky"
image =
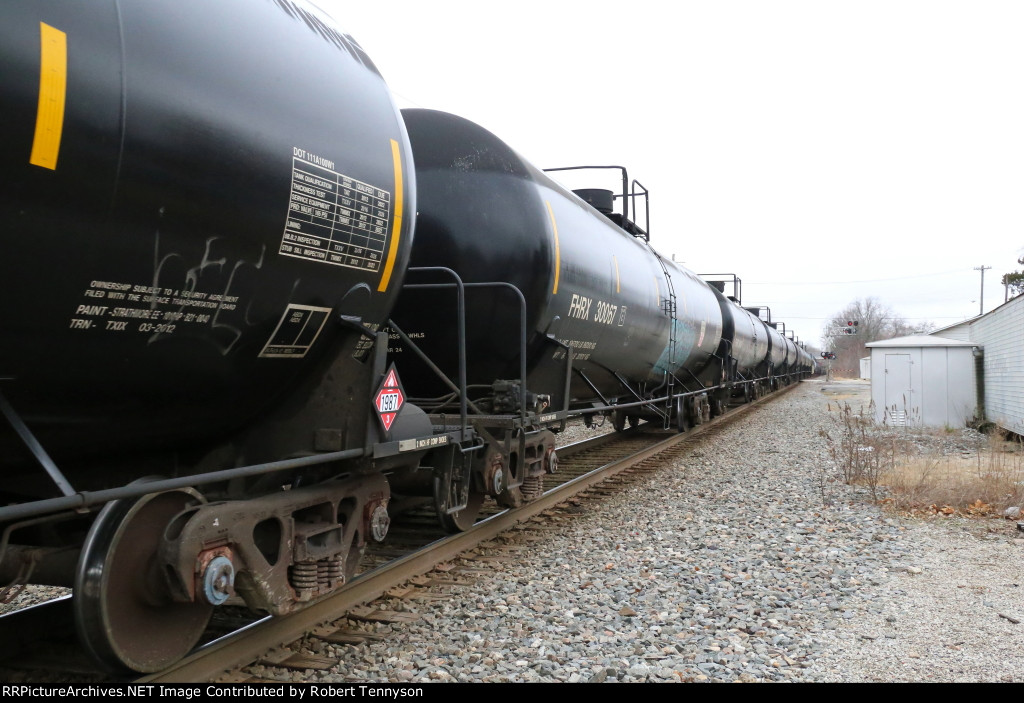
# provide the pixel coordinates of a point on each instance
(822, 151)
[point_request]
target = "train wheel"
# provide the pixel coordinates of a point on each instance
(461, 520)
(619, 420)
(123, 615)
(681, 422)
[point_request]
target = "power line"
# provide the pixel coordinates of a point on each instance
(866, 280)
(919, 317)
(916, 299)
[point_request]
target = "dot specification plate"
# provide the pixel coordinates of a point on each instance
(335, 219)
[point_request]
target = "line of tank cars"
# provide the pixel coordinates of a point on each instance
(250, 308)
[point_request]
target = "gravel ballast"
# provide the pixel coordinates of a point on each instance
(725, 567)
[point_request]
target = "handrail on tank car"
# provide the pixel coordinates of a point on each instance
(737, 285)
(462, 328)
(625, 182)
(463, 392)
(647, 205)
(522, 338)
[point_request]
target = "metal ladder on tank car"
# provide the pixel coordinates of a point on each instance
(668, 306)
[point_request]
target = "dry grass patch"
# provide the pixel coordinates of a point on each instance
(925, 471)
(984, 484)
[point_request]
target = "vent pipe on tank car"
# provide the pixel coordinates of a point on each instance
(761, 312)
(600, 199)
(720, 280)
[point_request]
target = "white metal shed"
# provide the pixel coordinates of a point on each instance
(924, 380)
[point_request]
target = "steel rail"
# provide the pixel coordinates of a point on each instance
(219, 657)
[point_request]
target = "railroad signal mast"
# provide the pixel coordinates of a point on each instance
(850, 328)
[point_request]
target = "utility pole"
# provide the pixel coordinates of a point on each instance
(982, 268)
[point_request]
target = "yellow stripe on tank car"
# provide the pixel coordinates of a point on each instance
(558, 252)
(618, 288)
(396, 227)
(53, 85)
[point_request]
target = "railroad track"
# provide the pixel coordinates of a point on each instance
(415, 557)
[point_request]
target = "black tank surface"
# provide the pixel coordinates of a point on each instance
(805, 363)
(748, 335)
(489, 215)
(779, 351)
(193, 193)
(792, 354)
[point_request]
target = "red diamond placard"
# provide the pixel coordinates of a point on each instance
(389, 399)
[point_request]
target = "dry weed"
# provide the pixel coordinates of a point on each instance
(986, 483)
(914, 471)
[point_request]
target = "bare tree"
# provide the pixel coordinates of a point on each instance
(875, 322)
(1014, 281)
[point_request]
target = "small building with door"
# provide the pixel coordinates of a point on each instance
(924, 380)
